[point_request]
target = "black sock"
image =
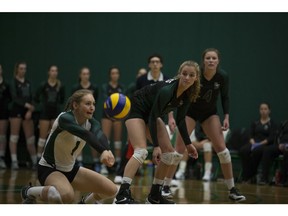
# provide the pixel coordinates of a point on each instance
(155, 190)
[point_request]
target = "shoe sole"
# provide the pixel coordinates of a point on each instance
(238, 200)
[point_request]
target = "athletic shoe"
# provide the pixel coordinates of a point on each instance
(174, 183)
(235, 195)
(180, 175)
(124, 197)
(25, 197)
(2, 163)
(166, 192)
(118, 179)
(161, 200)
(207, 176)
(14, 165)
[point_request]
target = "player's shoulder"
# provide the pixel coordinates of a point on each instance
(66, 116)
(222, 72)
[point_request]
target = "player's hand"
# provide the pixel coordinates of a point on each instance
(156, 155)
(107, 158)
(28, 115)
(192, 151)
(226, 124)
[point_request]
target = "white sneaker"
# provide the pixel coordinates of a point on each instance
(174, 183)
(207, 176)
(180, 175)
(2, 164)
(104, 170)
(118, 179)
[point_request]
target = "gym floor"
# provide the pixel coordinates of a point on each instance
(189, 191)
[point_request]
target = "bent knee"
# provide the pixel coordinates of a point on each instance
(67, 197)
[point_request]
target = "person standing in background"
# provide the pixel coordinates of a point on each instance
(85, 83)
(5, 98)
(50, 95)
(21, 112)
(108, 124)
(214, 82)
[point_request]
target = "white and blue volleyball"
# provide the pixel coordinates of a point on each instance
(117, 106)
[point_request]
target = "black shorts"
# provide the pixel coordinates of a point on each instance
(49, 114)
(44, 172)
(200, 115)
(18, 112)
(4, 114)
(137, 110)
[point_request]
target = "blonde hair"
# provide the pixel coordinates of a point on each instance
(194, 90)
(76, 97)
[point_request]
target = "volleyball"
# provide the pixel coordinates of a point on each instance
(117, 106)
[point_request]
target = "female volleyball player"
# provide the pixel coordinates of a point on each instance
(214, 81)
(109, 125)
(21, 111)
(50, 96)
(148, 105)
(57, 171)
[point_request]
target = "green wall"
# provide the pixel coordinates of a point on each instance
(253, 46)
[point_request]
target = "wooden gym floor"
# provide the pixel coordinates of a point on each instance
(189, 191)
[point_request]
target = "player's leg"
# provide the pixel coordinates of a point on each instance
(15, 125)
(136, 129)
(3, 141)
(169, 157)
(55, 188)
(180, 148)
(44, 126)
(212, 128)
(28, 128)
(99, 186)
(117, 140)
(206, 146)
(107, 125)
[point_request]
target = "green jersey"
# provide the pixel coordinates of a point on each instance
(157, 100)
(67, 138)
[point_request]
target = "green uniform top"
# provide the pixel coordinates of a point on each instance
(67, 139)
(158, 100)
(209, 92)
(47, 96)
(21, 92)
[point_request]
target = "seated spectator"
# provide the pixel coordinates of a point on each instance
(280, 147)
(262, 134)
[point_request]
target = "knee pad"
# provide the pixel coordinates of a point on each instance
(31, 140)
(41, 142)
(117, 144)
(140, 154)
(14, 138)
(53, 195)
(207, 147)
(224, 156)
(171, 158)
(3, 139)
